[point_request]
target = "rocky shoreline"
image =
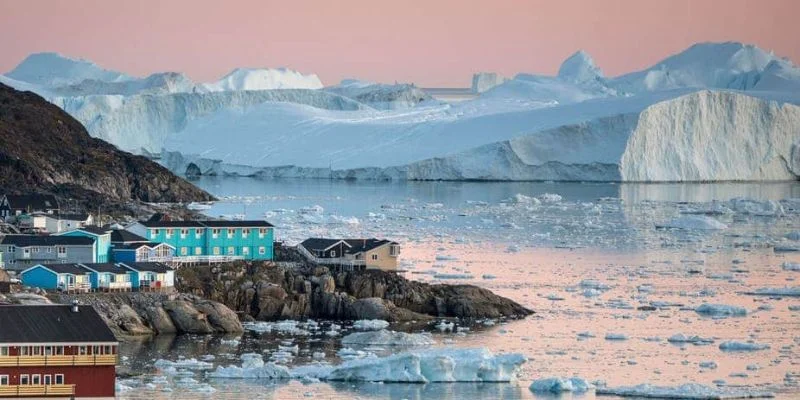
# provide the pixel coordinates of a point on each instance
(269, 291)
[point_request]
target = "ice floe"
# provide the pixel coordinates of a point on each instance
(557, 385)
(720, 310)
(693, 222)
(690, 391)
(253, 367)
(388, 338)
(370, 324)
(733, 345)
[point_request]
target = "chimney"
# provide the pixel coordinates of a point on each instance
(74, 305)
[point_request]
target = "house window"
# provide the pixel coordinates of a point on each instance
(59, 379)
(82, 350)
(216, 251)
(262, 250)
(3, 351)
(48, 350)
(184, 233)
(48, 380)
(3, 380)
(394, 250)
(198, 233)
(184, 251)
(11, 249)
(107, 350)
(374, 256)
(26, 252)
(24, 379)
(261, 233)
(215, 233)
(229, 233)
(169, 233)
(59, 350)
(153, 233)
(333, 253)
(245, 251)
(36, 379)
(62, 251)
(35, 249)
(231, 250)
(245, 233)
(49, 249)
(198, 251)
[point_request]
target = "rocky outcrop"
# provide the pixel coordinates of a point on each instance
(266, 291)
(44, 149)
(148, 313)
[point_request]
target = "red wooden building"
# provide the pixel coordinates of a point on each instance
(56, 351)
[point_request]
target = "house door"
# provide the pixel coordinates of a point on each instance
(70, 280)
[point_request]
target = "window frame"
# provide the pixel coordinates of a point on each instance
(57, 380)
(36, 379)
(262, 251)
(24, 379)
(5, 380)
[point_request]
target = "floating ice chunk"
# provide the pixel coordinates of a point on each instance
(253, 367)
(785, 291)
(523, 199)
(791, 266)
(560, 385)
(693, 222)
(445, 326)
(733, 345)
(188, 363)
(692, 391)
(616, 336)
(488, 276)
(388, 338)
(721, 310)
(795, 235)
(708, 365)
(442, 257)
(554, 297)
(549, 198)
(439, 365)
(453, 276)
(370, 324)
(768, 208)
(586, 335)
(681, 338)
(594, 284)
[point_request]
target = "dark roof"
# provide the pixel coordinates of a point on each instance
(356, 245)
(149, 267)
(359, 245)
(52, 324)
(38, 240)
(209, 224)
(319, 243)
(123, 236)
(237, 224)
(172, 224)
(73, 217)
(32, 202)
(96, 230)
(105, 267)
(73, 269)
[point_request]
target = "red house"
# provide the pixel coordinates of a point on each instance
(56, 351)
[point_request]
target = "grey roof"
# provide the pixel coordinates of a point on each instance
(319, 243)
(74, 269)
(237, 224)
(356, 245)
(208, 224)
(94, 230)
(148, 267)
(123, 236)
(39, 240)
(105, 267)
(52, 324)
(32, 202)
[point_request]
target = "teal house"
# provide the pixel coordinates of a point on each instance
(248, 240)
(102, 241)
(66, 277)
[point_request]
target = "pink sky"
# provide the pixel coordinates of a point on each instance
(429, 42)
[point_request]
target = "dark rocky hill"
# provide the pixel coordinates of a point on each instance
(43, 149)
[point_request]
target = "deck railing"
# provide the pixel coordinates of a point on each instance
(115, 285)
(36, 390)
(197, 259)
(58, 361)
(330, 261)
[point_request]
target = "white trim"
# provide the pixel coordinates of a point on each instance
(340, 241)
(59, 344)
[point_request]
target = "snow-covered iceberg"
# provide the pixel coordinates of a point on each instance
(388, 338)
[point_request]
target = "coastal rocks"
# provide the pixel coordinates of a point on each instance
(28, 299)
(130, 314)
(267, 292)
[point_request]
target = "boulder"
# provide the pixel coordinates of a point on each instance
(187, 318)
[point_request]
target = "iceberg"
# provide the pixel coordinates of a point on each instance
(253, 367)
(733, 345)
(720, 310)
(694, 222)
(560, 385)
(370, 324)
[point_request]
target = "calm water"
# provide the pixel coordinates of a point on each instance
(537, 253)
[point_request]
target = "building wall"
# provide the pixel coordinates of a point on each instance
(123, 255)
(384, 262)
(102, 244)
(207, 242)
(41, 278)
(91, 381)
(75, 254)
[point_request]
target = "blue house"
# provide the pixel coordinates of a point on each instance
(102, 241)
(248, 240)
(66, 277)
(108, 277)
(150, 275)
(129, 247)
